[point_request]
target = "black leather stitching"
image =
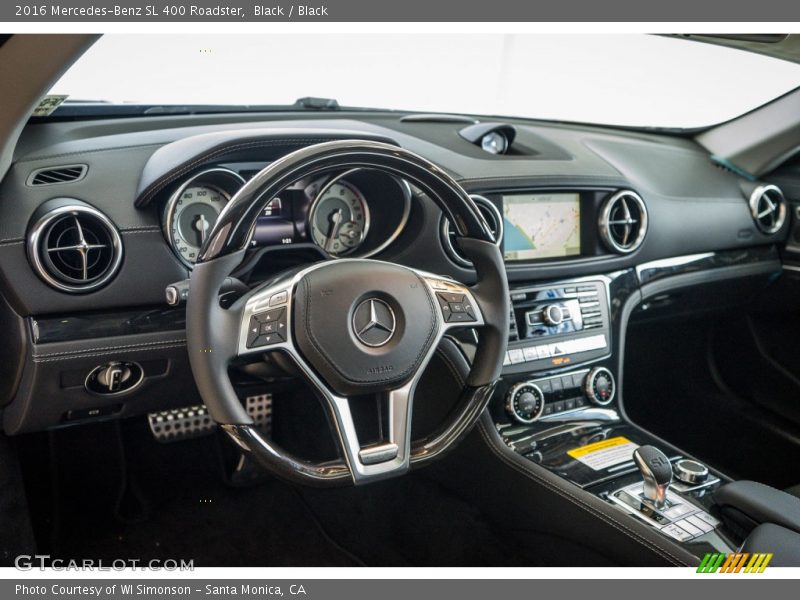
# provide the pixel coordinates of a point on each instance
(78, 353)
(92, 151)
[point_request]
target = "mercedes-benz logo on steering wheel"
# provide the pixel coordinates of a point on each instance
(374, 322)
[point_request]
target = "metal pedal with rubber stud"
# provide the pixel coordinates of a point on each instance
(190, 422)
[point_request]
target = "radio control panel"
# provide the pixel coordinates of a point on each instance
(557, 325)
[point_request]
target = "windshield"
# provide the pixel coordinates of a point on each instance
(630, 80)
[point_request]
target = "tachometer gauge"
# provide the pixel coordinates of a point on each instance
(339, 218)
(194, 208)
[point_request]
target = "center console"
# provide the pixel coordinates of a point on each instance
(558, 405)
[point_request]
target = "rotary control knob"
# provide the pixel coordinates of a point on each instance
(553, 314)
(599, 386)
(690, 471)
(525, 402)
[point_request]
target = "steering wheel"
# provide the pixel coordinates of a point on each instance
(354, 327)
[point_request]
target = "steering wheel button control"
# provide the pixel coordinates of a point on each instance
(450, 297)
(279, 298)
(267, 328)
(456, 308)
(460, 317)
(270, 315)
(271, 327)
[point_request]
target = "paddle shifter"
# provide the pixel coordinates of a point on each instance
(657, 473)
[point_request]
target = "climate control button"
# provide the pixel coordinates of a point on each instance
(599, 386)
(525, 402)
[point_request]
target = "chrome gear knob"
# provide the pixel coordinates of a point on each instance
(656, 471)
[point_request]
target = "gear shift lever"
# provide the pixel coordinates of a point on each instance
(656, 471)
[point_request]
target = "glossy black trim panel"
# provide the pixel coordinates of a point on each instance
(84, 326)
(682, 265)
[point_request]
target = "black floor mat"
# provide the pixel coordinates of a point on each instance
(175, 505)
(116, 493)
(415, 521)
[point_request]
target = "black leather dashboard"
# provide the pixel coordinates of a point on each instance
(693, 205)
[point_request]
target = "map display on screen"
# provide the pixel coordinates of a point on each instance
(541, 226)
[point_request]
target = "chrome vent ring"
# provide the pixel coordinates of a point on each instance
(623, 222)
(493, 218)
(768, 208)
(74, 248)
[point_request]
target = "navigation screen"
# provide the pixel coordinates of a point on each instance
(541, 226)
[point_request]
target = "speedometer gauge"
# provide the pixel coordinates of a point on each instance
(196, 211)
(339, 218)
(194, 208)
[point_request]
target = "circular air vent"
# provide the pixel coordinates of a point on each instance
(75, 248)
(768, 207)
(623, 222)
(493, 218)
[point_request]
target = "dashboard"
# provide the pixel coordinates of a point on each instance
(98, 218)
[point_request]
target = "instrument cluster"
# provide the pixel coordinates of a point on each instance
(355, 213)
